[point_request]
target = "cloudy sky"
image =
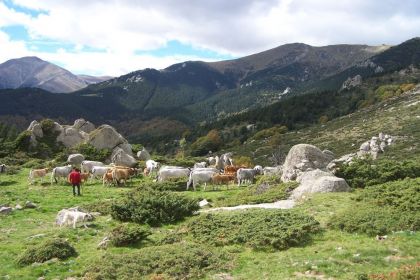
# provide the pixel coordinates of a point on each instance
(114, 37)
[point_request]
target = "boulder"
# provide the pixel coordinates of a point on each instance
(106, 137)
(318, 181)
(60, 216)
(75, 159)
(120, 157)
(303, 157)
(346, 159)
(30, 205)
(18, 207)
(85, 126)
(71, 137)
(5, 210)
(143, 155)
(36, 129)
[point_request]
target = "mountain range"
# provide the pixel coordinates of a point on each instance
(149, 103)
(36, 73)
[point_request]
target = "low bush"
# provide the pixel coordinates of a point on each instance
(278, 229)
(266, 190)
(153, 207)
(176, 185)
(367, 172)
(91, 153)
(128, 234)
(406, 272)
(55, 248)
(101, 206)
(382, 208)
(172, 261)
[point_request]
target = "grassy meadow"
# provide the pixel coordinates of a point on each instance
(329, 254)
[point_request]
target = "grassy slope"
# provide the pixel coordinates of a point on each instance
(322, 255)
(398, 117)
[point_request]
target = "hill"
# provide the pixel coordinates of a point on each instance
(35, 72)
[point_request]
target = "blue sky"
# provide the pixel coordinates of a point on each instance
(113, 37)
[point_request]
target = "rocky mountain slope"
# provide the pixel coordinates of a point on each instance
(35, 72)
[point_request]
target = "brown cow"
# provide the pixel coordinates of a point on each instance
(37, 173)
(122, 174)
(222, 179)
(231, 169)
(107, 178)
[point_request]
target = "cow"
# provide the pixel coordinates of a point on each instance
(37, 173)
(87, 165)
(3, 168)
(222, 179)
(152, 165)
(61, 171)
(99, 171)
(202, 164)
(200, 176)
(272, 170)
(107, 178)
(146, 171)
(73, 217)
(231, 169)
(84, 177)
(211, 160)
(165, 174)
(122, 174)
(246, 174)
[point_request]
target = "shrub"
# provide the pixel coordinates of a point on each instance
(101, 206)
(406, 272)
(91, 153)
(278, 229)
(366, 172)
(128, 234)
(268, 132)
(172, 261)
(55, 248)
(175, 185)
(153, 207)
(211, 142)
(382, 208)
(22, 142)
(265, 191)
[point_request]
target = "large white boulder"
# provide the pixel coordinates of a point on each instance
(71, 137)
(120, 157)
(143, 155)
(303, 157)
(75, 159)
(106, 137)
(318, 181)
(83, 125)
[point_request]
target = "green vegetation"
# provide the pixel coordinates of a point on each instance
(210, 142)
(153, 207)
(128, 234)
(277, 229)
(56, 248)
(380, 209)
(92, 153)
(173, 261)
(367, 172)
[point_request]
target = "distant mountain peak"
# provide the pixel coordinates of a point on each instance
(32, 71)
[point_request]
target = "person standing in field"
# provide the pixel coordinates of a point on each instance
(75, 180)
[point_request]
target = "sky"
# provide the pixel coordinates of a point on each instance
(115, 37)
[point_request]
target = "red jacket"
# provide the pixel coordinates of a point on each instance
(75, 178)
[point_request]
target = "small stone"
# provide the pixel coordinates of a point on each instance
(30, 205)
(5, 210)
(18, 207)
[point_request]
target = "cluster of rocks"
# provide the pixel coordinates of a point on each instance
(84, 132)
(307, 165)
(373, 147)
(6, 209)
(352, 82)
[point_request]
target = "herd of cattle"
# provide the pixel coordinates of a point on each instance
(215, 170)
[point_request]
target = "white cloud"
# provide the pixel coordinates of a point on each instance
(236, 27)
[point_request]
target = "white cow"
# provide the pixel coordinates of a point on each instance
(202, 164)
(60, 171)
(3, 168)
(200, 176)
(99, 171)
(268, 170)
(165, 174)
(87, 165)
(246, 175)
(152, 166)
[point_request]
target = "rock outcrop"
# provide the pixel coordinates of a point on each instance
(352, 82)
(303, 157)
(318, 181)
(143, 155)
(84, 132)
(376, 145)
(75, 159)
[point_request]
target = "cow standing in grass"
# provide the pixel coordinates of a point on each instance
(37, 173)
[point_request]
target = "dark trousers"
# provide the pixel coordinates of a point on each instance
(74, 189)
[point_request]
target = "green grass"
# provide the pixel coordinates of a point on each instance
(321, 254)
